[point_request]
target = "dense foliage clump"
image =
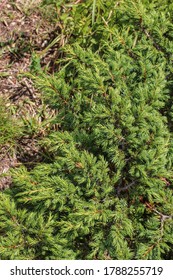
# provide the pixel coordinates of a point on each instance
(104, 190)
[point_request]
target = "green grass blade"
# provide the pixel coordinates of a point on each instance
(93, 11)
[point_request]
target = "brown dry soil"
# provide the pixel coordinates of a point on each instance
(23, 29)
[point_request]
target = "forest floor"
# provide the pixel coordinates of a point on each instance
(23, 30)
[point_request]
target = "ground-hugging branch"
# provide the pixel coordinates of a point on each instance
(163, 218)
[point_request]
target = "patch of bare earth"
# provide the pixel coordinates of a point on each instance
(22, 31)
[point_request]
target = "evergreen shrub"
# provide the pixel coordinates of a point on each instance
(105, 188)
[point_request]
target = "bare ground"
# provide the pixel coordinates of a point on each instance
(22, 31)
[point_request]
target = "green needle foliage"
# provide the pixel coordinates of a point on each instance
(105, 191)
